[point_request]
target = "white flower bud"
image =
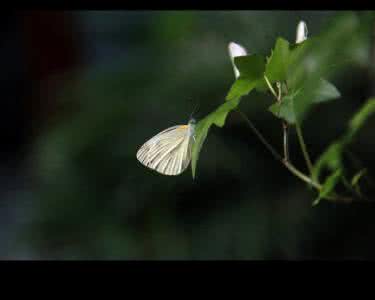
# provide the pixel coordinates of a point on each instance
(301, 32)
(236, 50)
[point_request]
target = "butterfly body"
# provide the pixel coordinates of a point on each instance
(169, 152)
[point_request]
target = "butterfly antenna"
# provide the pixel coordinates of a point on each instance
(195, 109)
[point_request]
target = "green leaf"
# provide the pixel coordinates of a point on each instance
(218, 118)
(297, 52)
(314, 90)
(297, 65)
(328, 185)
(251, 68)
(241, 87)
(325, 91)
(277, 64)
(357, 177)
(357, 122)
(330, 159)
(322, 56)
(305, 98)
(284, 110)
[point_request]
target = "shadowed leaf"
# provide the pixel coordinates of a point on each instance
(218, 118)
(357, 177)
(284, 110)
(328, 186)
(251, 70)
(326, 91)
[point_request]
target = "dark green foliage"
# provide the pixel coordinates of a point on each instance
(93, 200)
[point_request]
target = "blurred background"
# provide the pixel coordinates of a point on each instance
(82, 90)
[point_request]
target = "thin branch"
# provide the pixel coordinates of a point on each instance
(290, 166)
(303, 148)
(270, 86)
(260, 136)
(284, 126)
(302, 143)
(302, 176)
(278, 157)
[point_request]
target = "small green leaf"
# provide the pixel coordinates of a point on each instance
(201, 132)
(322, 56)
(331, 159)
(346, 182)
(305, 98)
(328, 186)
(241, 87)
(357, 177)
(325, 91)
(313, 90)
(251, 68)
(297, 65)
(277, 64)
(218, 118)
(284, 110)
(360, 117)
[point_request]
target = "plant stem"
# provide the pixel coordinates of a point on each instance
(302, 143)
(270, 86)
(289, 165)
(303, 148)
(284, 123)
(300, 175)
(284, 126)
(260, 136)
(286, 163)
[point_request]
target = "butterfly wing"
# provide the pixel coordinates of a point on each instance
(169, 152)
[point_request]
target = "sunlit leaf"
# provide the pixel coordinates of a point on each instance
(324, 91)
(277, 64)
(241, 87)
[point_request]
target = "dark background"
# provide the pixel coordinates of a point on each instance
(81, 91)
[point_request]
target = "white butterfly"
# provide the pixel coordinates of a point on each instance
(169, 152)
